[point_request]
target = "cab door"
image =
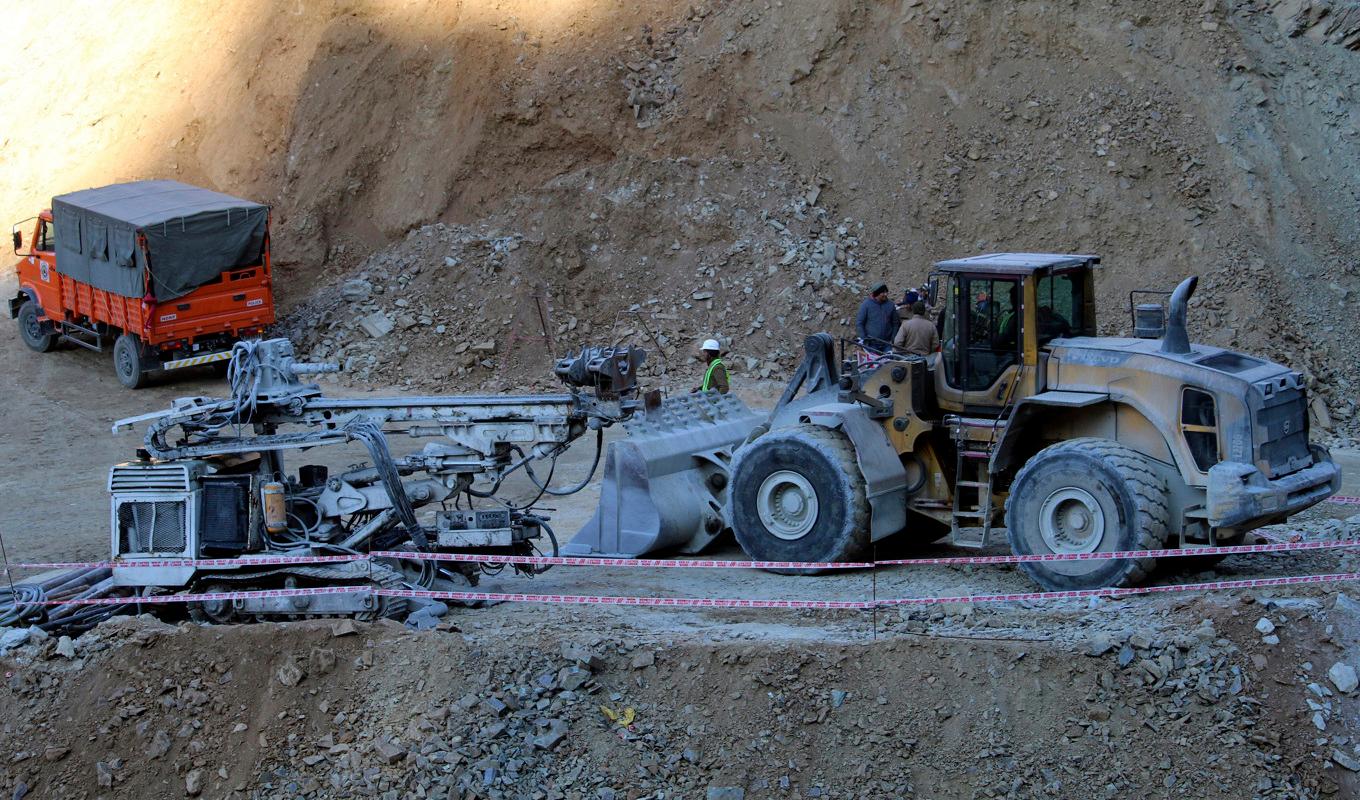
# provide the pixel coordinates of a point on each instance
(981, 338)
(37, 269)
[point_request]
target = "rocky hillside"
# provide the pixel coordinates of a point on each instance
(461, 188)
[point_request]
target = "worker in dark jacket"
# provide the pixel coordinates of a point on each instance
(877, 321)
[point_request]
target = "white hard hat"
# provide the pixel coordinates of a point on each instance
(711, 344)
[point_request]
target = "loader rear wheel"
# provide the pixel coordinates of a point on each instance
(38, 335)
(128, 362)
(1087, 496)
(797, 495)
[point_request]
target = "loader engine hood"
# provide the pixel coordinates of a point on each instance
(1259, 408)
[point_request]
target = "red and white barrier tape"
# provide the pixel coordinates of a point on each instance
(244, 561)
(1281, 544)
(1248, 583)
(610, 600)
(578, 561)
(719, 602)
(1278, 546)
(206, 597)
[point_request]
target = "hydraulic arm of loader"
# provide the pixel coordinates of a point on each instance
(665, 485)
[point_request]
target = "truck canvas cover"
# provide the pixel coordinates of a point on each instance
(192, 236)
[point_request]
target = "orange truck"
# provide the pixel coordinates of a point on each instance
(171, 274)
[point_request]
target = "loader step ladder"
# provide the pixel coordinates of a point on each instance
(971, 522)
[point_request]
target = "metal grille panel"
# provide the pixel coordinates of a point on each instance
(152, 527)
(1284, 424)
(149, 478)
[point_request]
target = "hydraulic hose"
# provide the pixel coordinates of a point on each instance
(372, 437)
(552, 537)
(594, 464)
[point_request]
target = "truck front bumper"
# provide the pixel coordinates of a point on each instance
(1240, 496)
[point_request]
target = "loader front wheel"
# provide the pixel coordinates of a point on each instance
(797, 495)
(1087, 496)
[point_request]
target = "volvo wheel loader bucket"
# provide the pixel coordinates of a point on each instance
(665, 484)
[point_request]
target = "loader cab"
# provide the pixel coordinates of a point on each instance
(999, 313)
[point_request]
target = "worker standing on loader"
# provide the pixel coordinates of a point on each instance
(917, 336)
(715, 372)
(877, 321)
(909, 299)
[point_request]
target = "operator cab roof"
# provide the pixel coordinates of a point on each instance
(1016, 263)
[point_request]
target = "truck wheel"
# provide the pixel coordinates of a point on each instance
(798, 495)
(1087, 496)
(37, 334)
(128, 363)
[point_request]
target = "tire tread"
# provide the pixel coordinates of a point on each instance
(1152, 509)
(838, 448)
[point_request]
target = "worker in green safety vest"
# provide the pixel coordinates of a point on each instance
(715, 371)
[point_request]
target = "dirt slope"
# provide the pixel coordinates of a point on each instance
(777, 156)
(508, 703)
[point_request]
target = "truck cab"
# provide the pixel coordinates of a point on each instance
(1000, 314)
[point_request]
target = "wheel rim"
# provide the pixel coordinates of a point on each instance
(1072, 521)
(124, 361)
(787, 505)
(32, 328)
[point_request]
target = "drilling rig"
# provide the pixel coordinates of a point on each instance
(213, 481)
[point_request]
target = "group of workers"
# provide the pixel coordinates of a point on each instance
(904, 327)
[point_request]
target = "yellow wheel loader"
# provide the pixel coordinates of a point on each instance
(1025, 418)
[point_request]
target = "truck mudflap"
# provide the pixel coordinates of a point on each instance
(1240, 496)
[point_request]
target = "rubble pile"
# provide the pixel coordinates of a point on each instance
(454, 305)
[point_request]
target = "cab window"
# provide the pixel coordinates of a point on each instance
(1060, 307)
(47, 237)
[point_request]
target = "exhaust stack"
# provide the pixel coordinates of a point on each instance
(1176, 341)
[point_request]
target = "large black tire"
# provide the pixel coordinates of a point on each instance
(797, 495)
(1087, 495)
(128, 362)
(36, 333)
